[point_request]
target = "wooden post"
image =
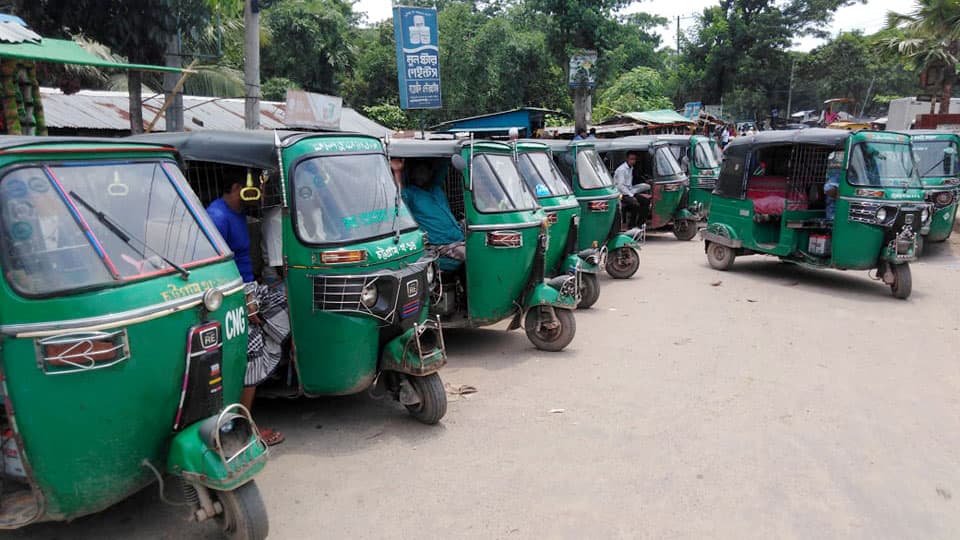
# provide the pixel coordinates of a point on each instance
(251, 64)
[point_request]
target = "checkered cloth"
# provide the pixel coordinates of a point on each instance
(264, 342)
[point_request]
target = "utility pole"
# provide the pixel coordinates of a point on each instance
(790, 92)
(678, 35)
(174, 99)
(251, 63)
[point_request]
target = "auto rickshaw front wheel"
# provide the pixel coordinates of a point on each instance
(589, 290)
(550, 333)
(902, 284)
(433, 398)
(684, 229)
(622, 263)
(719, 256)
(244, 516)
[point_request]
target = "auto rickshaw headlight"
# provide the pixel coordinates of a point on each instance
(369, 295)
(212, 299)
(431, 274)
(882, 215)
(924, 215)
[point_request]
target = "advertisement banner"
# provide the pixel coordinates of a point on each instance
(582, 69)
(312, 111)
(418, 57)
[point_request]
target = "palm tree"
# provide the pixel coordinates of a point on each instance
(930, 37)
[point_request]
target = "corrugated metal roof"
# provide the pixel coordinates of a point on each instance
(102, 110)
(14, 30)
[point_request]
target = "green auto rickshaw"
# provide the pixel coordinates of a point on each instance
(824, 198)
(124, 339)
(657, 167)
(698, 159)
(600, 219)
(352, 259)
(938, 160)
(546, 182)
(504, 274)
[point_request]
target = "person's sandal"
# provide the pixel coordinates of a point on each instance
(271, 437)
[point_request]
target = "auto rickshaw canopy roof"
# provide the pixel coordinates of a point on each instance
(636, 142)
(255, 148)
(27, 143)
(439, 148)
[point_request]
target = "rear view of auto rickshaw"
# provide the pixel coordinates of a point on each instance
(546, 182)
(124, 339)
(502, 273)
(600, 218)
(657, 167)
(335, 231)
(698, 159)
(938, 160)
(822, 198)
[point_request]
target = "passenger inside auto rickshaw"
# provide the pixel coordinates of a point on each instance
(423, 193)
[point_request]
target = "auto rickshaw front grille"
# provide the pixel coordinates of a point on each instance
(342, 294)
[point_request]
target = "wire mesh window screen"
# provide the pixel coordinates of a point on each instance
(453, 187)
(808, 174)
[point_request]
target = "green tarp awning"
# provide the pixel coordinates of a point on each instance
(63, 51)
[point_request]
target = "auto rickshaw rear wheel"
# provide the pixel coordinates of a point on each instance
(244, 516)
(720, 256)
(550, 333)
(902, 284)
(921, 240)
(589, 290)
(622, 263)
(433, 398)
(684, 229)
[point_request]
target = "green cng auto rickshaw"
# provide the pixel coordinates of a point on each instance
(546, 182)
(504, 274)
(351, 257)
(697, 156)
(820, 197)
(938, 160)
(600, 219)
(124, 339)
(657, 167)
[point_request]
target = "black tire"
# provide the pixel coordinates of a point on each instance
(719, 256)
(244, 516)
(555, 339)
(433, 398)
(902, 284)
(921, 243)
(684, 229)
(622, 263)
(589, 290)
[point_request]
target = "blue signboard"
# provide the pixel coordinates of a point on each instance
(692, 109)
(418, 57)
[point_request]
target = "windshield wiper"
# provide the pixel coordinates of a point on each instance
(935, 165)
(126, 237)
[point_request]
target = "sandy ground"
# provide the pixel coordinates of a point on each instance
(767, 402)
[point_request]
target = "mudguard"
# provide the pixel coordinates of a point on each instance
(622, 240)
(546, 295)
(195, 456)
(418, 351)
(684, 213)
(721, 234)
(572, 262)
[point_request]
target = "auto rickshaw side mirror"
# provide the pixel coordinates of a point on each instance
(458, 162)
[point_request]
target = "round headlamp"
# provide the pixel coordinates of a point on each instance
(369, 295)
(924, 215)
(431, 274)
(212, 299)
(882, 215)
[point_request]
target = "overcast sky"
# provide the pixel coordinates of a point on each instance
(868, 17)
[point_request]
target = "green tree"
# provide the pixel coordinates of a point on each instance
(930, 38)
(640, 89)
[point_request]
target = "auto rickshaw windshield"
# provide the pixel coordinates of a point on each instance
(881, 164)
(497, 186)
(704, 156)
(344, 198)
(541, 175)
(666, 164)
(78, 226)
(937, 158)
(590, 170)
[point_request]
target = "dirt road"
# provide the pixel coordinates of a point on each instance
(770, 401)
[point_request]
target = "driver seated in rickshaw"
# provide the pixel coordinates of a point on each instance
(424, 196)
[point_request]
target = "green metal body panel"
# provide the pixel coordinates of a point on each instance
(85, 434)
(702, 180)
(855, 245)
(399, 354)
(665, 203)
(595, 225)
(621, 240)
(570, 263)
(545, 295)
(941, 223)
(339, 353)
(191, 458)
(559, 231)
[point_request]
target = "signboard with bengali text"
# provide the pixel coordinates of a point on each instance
(418, 57)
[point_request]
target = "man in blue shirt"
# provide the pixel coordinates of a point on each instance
(427, 202)
(830, 189)
(269, 320)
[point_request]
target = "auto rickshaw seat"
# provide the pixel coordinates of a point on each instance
(447, 264)
(770, 197)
